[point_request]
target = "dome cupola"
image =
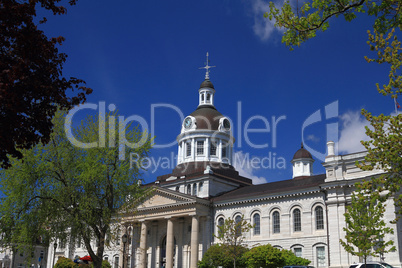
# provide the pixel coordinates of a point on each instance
(302, 163)
(205, 134)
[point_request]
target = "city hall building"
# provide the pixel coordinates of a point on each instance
(175, 226)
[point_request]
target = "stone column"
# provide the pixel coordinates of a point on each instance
(169, 244)
(143, 246)
(179, 253)
(194, 242)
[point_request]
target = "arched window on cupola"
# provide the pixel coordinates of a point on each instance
(195, 189)
(208, 98)
(189, 189)
(202, 98)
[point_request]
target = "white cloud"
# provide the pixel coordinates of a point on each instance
(245, 168)
(263, 27)
(352, 132)
(313, 138)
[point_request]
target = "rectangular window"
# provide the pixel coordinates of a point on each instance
(188, 149)
(321, 257)
(298, 252)
(224, 151)
(212, 149)
(200, 147)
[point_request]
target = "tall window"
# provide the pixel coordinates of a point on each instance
(321, 257)
(177, 188)
(202, 97)
(200, 187)
(296, 220)
(195, 189)
(116, 262)
(224, 151)
(208, 97)
(276, 224)
(189, 189)
(238, 225)
(319, 218)
(200, 147)
(221, 222)
(256, 221)
(212, 149)
(298, 252)
(188, 148)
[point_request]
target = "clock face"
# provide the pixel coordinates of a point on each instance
(188, 122)
(226, 124)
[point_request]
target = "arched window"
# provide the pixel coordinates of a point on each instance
(256, 222)
(177, 188)
(200, 187)
(189, 189)
(221, 222)
(276, 222)
(238, 225)
(202, 97)
(208, 97)
(319, 218)
(195, 189)
(296, 220)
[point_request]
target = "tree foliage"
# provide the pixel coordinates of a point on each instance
(31, 83)
(232, 234)
(61, 191)
(267, 256)
(365, 227)
(384, 149)
(302, 23)
(63, 262)
(218, 255)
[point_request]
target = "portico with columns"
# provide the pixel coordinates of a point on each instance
(171, 229)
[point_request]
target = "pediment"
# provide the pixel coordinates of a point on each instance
(161, 198)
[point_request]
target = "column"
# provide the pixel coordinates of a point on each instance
(169, 244)
(154, 236)
(193, 149)
(143, 246)
(179, 253)
(207, 156)
(194, 242)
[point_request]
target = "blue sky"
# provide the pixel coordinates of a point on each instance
(135, 54)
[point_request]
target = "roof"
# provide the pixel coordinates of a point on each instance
(207, 83)
(302, 153)
(272, 188)
(207, 117)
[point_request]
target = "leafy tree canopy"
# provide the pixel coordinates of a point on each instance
(384, 150)
(302, 23)
(61, 191)
(267, 256)
(31, 83)
(218, 255)
(232, 234)
(365, 227)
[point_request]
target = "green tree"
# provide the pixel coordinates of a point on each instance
(365, 227)
(61, 191)
(217, 255)
(32, 86)
(292, 259)
(232, 234)
(267, 256)
(385, 147)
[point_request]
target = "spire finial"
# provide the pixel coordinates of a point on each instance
(207, 67)
(302, 146)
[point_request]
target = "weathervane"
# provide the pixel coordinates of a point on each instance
(207, 67)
